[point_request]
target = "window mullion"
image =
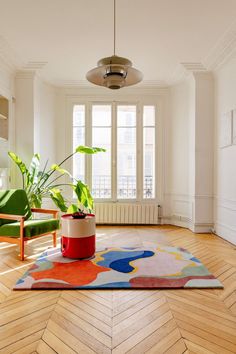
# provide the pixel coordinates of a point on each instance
(157, 148)
(139, 152)
(114, 153)
(88, 142)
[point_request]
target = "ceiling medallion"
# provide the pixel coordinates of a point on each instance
(114, 72)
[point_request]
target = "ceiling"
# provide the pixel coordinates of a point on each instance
(66, 38)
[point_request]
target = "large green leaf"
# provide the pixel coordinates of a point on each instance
(89, 150)
(23, 169)
(35, 200)
(32, 177)
(34, 166)
(18, 162)
(43, 176)
(57, 168)
(58, 199)
(72, 209)
(83, 195)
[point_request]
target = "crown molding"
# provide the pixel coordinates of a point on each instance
(71, 84)
(25, 74)
(9, 58)
(35, 65)
(194, 67)
(224, 50)
(153, 83)
(12, 63)
(85, 84)
(184, 70)
(93, 91)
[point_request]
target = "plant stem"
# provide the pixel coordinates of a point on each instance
(55, 179)
(23, 181)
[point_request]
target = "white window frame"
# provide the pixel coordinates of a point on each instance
(139, 103)
(100, 103)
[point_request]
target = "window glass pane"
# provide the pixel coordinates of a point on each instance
(126, 116)
(78, 139)
(79, 115)
(101, 115)
(149, 152)
(126, 152)
(101, 137)
(148, 115)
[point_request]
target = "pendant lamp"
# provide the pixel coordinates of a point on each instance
(114, 72)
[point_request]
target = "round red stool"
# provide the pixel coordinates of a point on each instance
(78, 236)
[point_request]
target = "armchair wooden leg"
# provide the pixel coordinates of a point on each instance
(22, 250)
(22, 243)
(54, 237)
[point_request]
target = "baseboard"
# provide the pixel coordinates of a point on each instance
(201, 228)
(226, 232)
(184, 221)
(175, 220)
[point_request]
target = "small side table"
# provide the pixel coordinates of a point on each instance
(78, 236)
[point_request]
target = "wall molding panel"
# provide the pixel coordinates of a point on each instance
(179, 211)
(182, 212)
(226, 232)
(225, 203)
(225, 218)
(224, 50)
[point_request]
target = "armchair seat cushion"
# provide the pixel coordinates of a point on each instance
(32, 227)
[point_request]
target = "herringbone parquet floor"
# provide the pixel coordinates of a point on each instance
(122, 321)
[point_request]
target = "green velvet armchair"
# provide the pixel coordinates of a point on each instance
(17, 224)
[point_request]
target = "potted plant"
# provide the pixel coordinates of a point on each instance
(43, 183)
(78, 224)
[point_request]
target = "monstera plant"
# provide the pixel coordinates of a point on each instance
(44, 183)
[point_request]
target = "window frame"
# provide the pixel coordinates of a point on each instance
(139, 103)
(100, 103)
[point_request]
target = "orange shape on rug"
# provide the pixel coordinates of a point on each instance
(75, 273)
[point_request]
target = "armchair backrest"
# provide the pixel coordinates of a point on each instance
(14, 201)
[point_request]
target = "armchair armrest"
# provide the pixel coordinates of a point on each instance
(54, 212)
(12, 217)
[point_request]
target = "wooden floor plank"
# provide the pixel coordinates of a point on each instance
(200, 321)
(43, 348)
(23, 343)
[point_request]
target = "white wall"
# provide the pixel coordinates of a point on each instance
(191, 152)
(225, 159)
(35, 119)
(202, 153)
(24, 114)
(177, 193)
(7, 90)
(45, 121)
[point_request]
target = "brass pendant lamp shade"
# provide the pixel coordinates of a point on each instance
(114, 72)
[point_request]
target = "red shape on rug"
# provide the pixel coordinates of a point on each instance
(75, 273)
(150, 282)
(52, 285)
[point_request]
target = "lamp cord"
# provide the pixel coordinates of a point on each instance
(114, 27)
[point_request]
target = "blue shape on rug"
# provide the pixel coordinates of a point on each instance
(122, 264)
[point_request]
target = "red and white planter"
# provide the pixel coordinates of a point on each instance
(78, 236)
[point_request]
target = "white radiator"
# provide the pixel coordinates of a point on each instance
(117, 213)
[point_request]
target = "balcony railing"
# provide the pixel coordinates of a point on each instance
(126, 187)
(101, 187)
